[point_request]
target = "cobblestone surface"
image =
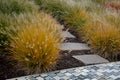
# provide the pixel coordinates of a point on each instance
(109, 71)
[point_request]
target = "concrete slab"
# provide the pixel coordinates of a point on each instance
(68, 35)
(74, 46)
(91, 59)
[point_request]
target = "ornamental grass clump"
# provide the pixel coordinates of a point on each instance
(103, 38)
(5, 21)
(58, 8)
(8, 21)
(70, 15)
(10, 12)
(17, 6)
(76, 18)
(113, 19)
(36, 45)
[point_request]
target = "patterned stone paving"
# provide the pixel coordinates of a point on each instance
(109, 71)
(91, 59)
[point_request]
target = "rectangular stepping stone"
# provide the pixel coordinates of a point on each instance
(74, 46)
(68, 35)
(91, 59)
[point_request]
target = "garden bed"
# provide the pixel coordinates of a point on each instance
(35, 43)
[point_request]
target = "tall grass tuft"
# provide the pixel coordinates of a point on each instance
(8, 21)
(36, 45)
(76, 18)
(17, 6)
(70, 15)
(113, 19)
(10, 12)
(103, 38)
(58, 8)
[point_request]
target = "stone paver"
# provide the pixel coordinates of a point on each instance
(68, 35)
(107, 71)
(74, 46)
(91, 59)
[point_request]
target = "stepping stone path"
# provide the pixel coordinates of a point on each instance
(73, 46)
(91, 59)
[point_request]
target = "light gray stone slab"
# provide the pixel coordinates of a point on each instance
(91, 59)
(68, 34)
(74, 46)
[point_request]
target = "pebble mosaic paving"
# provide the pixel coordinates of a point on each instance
(109, 71)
